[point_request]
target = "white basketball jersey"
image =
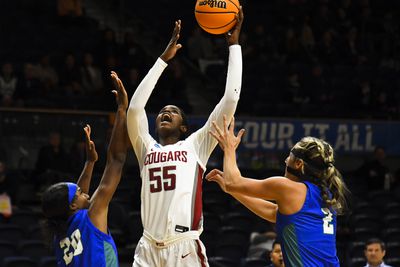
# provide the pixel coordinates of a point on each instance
(172, 175)
(171, 189)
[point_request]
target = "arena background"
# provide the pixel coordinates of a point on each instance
(311, 67)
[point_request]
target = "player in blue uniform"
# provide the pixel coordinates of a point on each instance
(308, 197)
(77, 225)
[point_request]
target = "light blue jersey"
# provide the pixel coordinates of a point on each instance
(85, 245)
(308, 237)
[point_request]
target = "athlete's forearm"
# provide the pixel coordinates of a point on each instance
(229, 101)
(117, 148)
(234, 76)
(86, 176)
(136, 118)
(226, 106)
(263, 208)
(145, 88)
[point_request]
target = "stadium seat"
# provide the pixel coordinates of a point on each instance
(391, 234)
(24, 219)
(222, 262)
(19, 262)
(255, 262)
(392, 220)
(364, 233)
(238, 220)
(365, 220)
(230, 251)
(215, 201)
(393, 249)
(35, 232)
(7, 249)
(211, 221)
(356, 249)
(357, 262)
(12, 233)
(392, 261)
(381, 198)
(392, 208)
(34, 249)
(233, 236)
(49, 261)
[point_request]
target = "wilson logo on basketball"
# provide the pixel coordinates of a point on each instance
(213, 3)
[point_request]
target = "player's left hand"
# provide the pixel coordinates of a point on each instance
(121, 97)
(226, 138)
(91, 153)
(233, 35)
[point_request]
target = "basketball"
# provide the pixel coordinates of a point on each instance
(216, 16)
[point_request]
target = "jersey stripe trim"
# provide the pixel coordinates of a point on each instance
(200, 254)
(197, 205)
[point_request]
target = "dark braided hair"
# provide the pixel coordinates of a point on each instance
(319, 168)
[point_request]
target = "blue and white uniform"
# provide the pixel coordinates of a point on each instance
(85, 245)
(308, 237)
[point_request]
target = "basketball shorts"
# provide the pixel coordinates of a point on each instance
(185, 250)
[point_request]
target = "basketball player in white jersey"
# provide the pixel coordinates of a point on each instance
(172, 168)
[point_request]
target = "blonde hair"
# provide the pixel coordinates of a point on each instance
(318, 158)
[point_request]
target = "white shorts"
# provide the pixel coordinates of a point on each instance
(183, 252)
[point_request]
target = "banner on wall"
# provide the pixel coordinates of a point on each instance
(346, 136)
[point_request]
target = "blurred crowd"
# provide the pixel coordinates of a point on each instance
(301, 58)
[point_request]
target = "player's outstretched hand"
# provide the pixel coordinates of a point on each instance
(233, 35)
(91, 153)
(217, 176)
(121, 97)
(173, 45)
(226, 138)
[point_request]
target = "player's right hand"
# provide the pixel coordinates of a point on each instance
(173, 45)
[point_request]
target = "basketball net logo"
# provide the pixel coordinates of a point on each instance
(213, 3)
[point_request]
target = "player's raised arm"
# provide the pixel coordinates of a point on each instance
(274, 188)
(91, 157)
(116, 155)
(263, 208)
(228, 103)
(138, 128)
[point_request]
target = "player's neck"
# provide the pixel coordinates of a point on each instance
(170, 140)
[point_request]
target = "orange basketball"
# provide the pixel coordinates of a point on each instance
(216, 16)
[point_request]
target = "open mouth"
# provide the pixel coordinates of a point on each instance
(166, 118)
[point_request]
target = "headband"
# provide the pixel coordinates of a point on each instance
(316, 165)
(71, 191)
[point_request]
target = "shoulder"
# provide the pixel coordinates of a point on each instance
(286, 182)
